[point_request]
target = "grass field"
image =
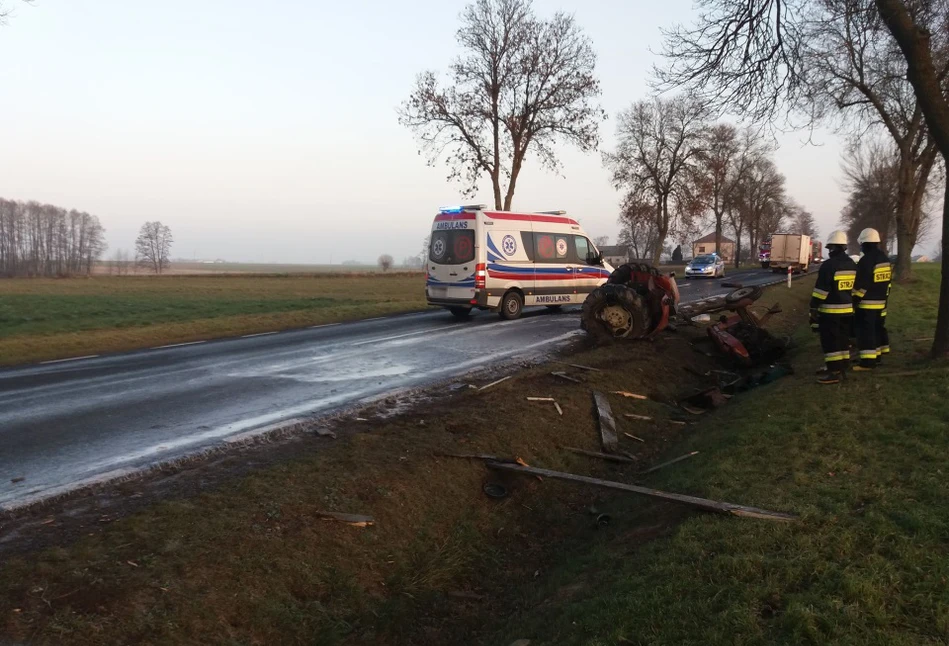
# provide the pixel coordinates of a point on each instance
(55, 318)
(863, 463)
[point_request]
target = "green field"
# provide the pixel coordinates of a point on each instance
(55, 318)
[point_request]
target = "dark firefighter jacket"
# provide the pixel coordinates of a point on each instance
(873, 280)
(835, 279)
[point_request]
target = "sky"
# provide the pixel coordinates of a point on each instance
(267, 131)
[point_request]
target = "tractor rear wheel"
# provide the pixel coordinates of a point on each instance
(613, 312)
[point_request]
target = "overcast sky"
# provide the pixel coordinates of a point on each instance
(267, 131)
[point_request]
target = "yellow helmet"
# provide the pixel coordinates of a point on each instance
(837, 237)
(869, 235)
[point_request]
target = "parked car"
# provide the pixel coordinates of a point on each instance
(709, 265)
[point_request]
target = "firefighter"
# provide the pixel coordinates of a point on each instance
(870, 292)
(832, 307)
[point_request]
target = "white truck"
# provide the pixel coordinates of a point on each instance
(790, 250)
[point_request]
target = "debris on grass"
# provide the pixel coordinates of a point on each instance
(494, 490)
(670, 462)
(608, 437)
(324, 432)
(629, 395)
(603, 456)
(540, 399)
(644, 418)
(494, 383)
(692, 501)
(579, 367)
(355, 520)
(559, 409)
(633, 437)
(566, 377)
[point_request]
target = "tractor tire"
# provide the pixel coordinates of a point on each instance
(614, 312)
(754, 293)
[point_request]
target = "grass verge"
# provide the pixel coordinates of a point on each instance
(250, 563)
(54, 318)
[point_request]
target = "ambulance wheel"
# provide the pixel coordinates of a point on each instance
(460, 313)
(613, 312)
(512, 305)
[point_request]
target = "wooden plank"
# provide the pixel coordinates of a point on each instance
(578, 366)
(494, 383)
(681, 499)
(633, 437)
(540, 399)
(602, 456)
(559, 409)
(623, 393)
(355, 520)
(673, 461)
(566, 377)
(608, 437)
(644, 418)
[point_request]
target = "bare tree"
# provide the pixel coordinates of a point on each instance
(44, 240)
(522, 85)
(802, 220)
(871, 178)
(153, 246)
(385, 262)
(638, 229)
(756, 192)
(601, 241)
(658, 141)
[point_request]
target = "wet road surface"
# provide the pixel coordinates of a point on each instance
(70, 423)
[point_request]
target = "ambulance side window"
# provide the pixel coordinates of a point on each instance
(527, 241)
(583, 248)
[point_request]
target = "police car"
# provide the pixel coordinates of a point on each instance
(505, 261)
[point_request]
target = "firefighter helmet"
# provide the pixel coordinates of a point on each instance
(869, 235)
(837, 237)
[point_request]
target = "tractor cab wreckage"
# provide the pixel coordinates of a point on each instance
(638, 301)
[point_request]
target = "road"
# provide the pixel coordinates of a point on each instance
(67, 424)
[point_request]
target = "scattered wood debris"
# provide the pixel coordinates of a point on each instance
(608, 436)
(541, 399)
(324, 432)
(633, 437)
(559, 409)
(693, 410)
(355, 520)
(623, 393)
(494, 383)
(603, 456)
(692, 501)
(578, 366)
(566, 377)
(677, 422)
(673, 461)
(644, 418)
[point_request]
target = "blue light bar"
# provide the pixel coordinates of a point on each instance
(462, 209)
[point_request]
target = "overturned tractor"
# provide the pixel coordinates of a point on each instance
(638, 301)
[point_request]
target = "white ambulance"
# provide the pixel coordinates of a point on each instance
(506, 261)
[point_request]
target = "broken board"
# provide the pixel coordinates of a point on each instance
(608, 437)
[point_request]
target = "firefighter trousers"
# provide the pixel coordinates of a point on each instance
(872, 338)
(835, 340)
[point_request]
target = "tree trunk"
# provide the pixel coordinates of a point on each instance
(940, 347)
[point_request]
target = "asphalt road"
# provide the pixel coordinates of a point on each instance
(71, 423)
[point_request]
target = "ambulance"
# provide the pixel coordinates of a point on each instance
(503, 261)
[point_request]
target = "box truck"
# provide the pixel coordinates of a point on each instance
(790, 250)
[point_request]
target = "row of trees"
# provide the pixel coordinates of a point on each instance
(44, 240)
(680, 174)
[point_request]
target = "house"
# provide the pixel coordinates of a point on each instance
(616, 255)
(706, 244)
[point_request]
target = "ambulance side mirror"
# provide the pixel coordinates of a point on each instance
(594, 258)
